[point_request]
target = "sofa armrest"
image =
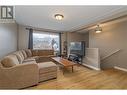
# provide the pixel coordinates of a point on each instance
(19, 76)
(22, 68)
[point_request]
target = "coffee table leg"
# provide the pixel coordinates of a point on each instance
(71, 68)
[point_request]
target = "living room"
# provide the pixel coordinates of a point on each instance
(53, 47)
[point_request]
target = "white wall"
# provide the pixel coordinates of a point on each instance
(8, 38)
(113, 37)
(23, 37)
(0, 11)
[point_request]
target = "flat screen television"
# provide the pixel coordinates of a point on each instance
(77, 48)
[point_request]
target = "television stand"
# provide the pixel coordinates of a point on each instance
(75, 58)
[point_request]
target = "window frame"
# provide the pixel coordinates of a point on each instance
(48, 33)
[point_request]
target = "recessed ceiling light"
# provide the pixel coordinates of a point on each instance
(59, 16)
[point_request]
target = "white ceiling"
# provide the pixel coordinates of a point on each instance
(75, 17)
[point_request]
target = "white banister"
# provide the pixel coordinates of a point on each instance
(112, 53)
(92, 58)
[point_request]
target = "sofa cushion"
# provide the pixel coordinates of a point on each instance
(34, 57)
(19, 57)
(34, 52)
(21, 54)
(45, 52)
(24, 54)
(44, 59)
(10, 61)
(29, 62)
(28, 52)
(46, 67)
(29, 59)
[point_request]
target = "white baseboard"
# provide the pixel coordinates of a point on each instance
(119, 68)
(92, 67)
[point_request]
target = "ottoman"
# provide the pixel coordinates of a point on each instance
(47, 70)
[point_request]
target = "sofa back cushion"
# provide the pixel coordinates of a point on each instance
(9, 61)
(24, 54)
(21, 54)
(34, 52)
(19, 57)
(45, 52)
(28, 52)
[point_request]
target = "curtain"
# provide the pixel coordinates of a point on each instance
(30, 44)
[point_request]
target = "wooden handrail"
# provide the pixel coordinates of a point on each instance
(110, 54)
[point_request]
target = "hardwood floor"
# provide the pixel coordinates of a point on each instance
(85, 78)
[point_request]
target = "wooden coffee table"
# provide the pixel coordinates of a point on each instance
(64, 62)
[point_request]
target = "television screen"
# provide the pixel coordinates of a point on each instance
(76, 46)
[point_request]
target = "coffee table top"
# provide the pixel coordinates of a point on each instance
(63, 61)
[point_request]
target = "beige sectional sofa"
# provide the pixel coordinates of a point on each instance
(26, 68)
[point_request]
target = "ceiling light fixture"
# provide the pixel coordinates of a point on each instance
(59, 16)
(98, 29)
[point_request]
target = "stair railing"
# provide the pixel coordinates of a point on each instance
(112, 53)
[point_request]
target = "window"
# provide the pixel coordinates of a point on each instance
(43, 40)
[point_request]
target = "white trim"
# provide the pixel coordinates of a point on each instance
(89, 66)
(119, 68)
